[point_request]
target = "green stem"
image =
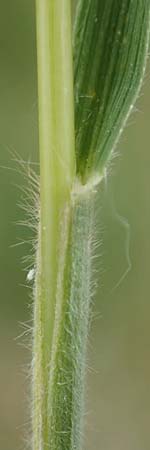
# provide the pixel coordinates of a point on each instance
(57, 170)
(66, 388)
(108, 71)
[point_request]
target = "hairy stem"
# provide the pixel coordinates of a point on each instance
(110, 48)
(57, 168)
(66, 388)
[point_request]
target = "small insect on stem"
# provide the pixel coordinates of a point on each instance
(30, 275)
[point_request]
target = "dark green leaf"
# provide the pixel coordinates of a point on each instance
(110, 46)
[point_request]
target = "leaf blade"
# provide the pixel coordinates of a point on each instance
(110, 47)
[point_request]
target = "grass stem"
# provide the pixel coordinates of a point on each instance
(57, 170)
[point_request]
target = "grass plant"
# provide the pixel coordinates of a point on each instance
(89, 75)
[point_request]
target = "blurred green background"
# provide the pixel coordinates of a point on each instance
(118, 391)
